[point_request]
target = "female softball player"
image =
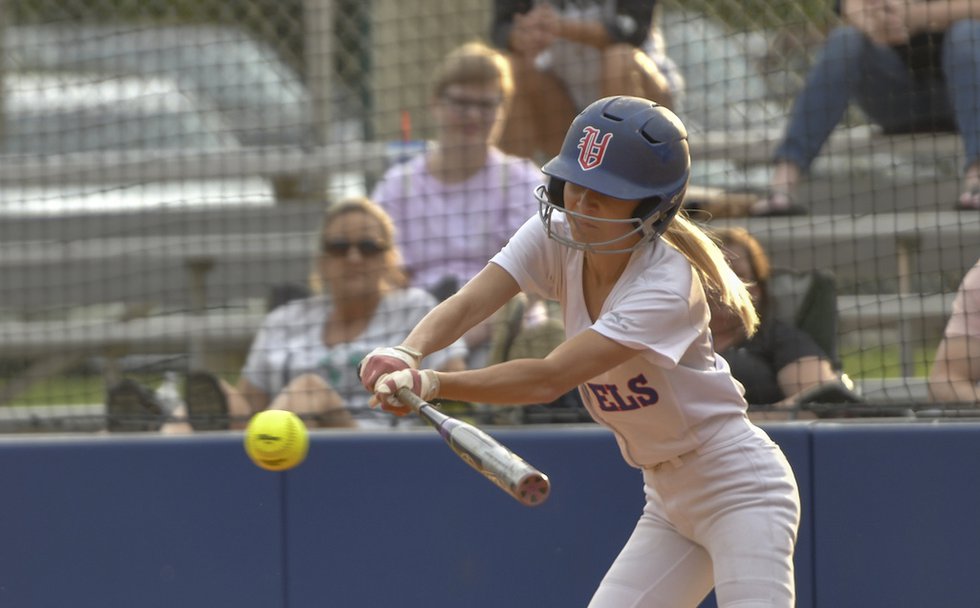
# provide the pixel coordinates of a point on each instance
(633, 278)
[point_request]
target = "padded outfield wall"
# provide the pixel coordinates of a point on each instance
(890, 519)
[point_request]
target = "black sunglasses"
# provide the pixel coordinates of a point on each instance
(366, 248)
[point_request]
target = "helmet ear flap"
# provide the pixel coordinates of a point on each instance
(556, 191)
(646, 207)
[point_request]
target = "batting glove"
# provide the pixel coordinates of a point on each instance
(385, 360)
(424, 383)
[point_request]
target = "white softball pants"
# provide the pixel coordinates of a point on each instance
(725, 518)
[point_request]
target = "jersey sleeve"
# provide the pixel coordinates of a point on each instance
(533, 260)
(659, 322)
(662, 310)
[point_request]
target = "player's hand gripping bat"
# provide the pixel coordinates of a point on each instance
(484, 453)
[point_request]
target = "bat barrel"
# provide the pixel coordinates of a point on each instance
(486, 455)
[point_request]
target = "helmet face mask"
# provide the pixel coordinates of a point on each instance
(627, 148)
(546, 208)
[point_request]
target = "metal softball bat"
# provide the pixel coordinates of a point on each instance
(489, 457)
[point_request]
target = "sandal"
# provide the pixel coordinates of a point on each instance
(131, 407)
(778, 204)
(207, 404)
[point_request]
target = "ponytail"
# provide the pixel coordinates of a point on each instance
(720, 282)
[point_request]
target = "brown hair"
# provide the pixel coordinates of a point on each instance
(474, 63)
(720, 281)
(395, 276)
(736, 236)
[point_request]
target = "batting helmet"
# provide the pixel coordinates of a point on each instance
(627, 148)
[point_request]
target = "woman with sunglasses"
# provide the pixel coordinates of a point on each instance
(634, 278)
(305, 355)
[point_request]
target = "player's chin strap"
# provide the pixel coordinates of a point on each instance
(640, 227)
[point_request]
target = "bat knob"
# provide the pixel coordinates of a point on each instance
(534, 489)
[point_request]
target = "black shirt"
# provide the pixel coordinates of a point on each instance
(756, 361)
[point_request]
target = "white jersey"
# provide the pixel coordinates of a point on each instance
(676, 395)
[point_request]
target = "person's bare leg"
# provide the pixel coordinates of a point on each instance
(239, 409)
(310, 397)
(178, 424)
(539, 113)
(627, 70)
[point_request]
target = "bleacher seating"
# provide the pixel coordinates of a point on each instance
(886, 264)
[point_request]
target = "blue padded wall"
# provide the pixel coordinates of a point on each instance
(147, 522)
(400, 520)
(372, 519)
(897, 507)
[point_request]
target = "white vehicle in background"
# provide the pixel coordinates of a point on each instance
(105, 122)
(263, 100)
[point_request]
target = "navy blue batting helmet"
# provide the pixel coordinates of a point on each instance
(627, 148)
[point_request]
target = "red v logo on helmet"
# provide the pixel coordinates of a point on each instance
(591, 148)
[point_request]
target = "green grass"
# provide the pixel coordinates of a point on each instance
(73, 389)
(81, 389)
(883, 361)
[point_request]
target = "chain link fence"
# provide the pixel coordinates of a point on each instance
(166, 162)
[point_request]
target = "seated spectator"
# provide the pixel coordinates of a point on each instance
(911, 66)
(780, 364)
(304, 357)
(564, 55)
(456, 205)
(955, 372)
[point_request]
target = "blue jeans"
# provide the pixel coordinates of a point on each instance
(850, 67)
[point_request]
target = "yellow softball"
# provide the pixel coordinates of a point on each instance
(276, 440)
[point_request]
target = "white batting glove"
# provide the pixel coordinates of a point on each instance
(424, 383)
(385, 360)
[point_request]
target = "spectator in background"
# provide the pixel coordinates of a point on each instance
(955, 372)
(780, 362)
(565, 54)
(305, 355)
(910, 65)
(457, 204)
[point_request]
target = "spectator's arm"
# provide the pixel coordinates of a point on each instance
(802, 374)
(938, 15)
(955, 371)
(590, 33)
(632, 22)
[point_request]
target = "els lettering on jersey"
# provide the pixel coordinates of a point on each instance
(611, 398)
